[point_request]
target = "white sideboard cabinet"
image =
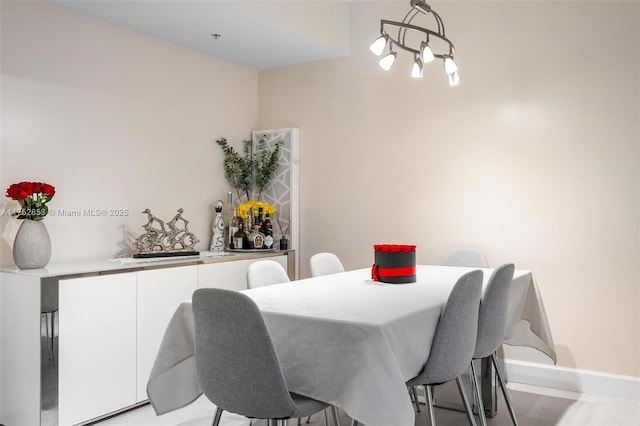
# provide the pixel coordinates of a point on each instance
(79, 339)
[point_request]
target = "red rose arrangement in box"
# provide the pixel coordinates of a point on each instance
(394, 248)
(32, 197)
(394, 263)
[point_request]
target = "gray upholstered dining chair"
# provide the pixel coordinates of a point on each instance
(491, 328)
(453, 343)
(325, 264)
(472, 257)
(265, 272)
(236, 363)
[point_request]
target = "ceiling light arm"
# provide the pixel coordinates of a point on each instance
(406, 26)
(406, 20)
(421, 6)
(439, 22)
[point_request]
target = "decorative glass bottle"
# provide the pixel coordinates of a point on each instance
(233, 227)
(239, 237)
(227, 211)
(256, 238)
(267, 230)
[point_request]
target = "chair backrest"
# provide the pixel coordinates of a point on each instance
(325, 264)
(466, 256)
(455, 337)
(265, 272)
(492, 319)
(236, 363)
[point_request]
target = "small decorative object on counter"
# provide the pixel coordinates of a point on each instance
(284, 242)
(217, 241)
(394, 263)
(32, 244)
(159, 241)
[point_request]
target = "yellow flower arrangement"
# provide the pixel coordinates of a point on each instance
(243, 210)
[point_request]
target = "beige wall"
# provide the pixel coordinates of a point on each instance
(535, 157)
(114, 120)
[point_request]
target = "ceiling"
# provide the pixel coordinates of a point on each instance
(256, 34)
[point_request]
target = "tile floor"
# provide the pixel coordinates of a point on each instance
(534, 406)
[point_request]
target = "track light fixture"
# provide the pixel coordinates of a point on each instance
(426, 45)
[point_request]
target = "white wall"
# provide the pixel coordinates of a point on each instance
(114, 120)
(534, 157)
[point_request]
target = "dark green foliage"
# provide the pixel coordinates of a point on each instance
(237, 169)
(266, 165)
(254, 167)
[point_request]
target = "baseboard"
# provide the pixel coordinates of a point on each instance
(573, 380)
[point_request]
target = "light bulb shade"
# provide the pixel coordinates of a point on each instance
(450, 65)
(417, 70)
(377, 47)
(387, 61)
(454, 78)
(427, 53)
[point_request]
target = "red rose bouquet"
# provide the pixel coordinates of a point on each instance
(394, 248)
(32, 197)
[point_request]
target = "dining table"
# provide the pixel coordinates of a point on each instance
(348, 340)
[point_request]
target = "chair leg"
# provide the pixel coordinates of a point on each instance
(478, 395)
(308, 419)
(216, 417)
(325, 415)
(414, 396)
(299, 421)
(354, 422)
(465, 401)
(430, 414)
(334, 415)
(504, 389)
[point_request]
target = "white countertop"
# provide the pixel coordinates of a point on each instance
(126, 264)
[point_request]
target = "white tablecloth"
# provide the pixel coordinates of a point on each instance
(348, 341)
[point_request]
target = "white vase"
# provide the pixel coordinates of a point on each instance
(32, 246)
